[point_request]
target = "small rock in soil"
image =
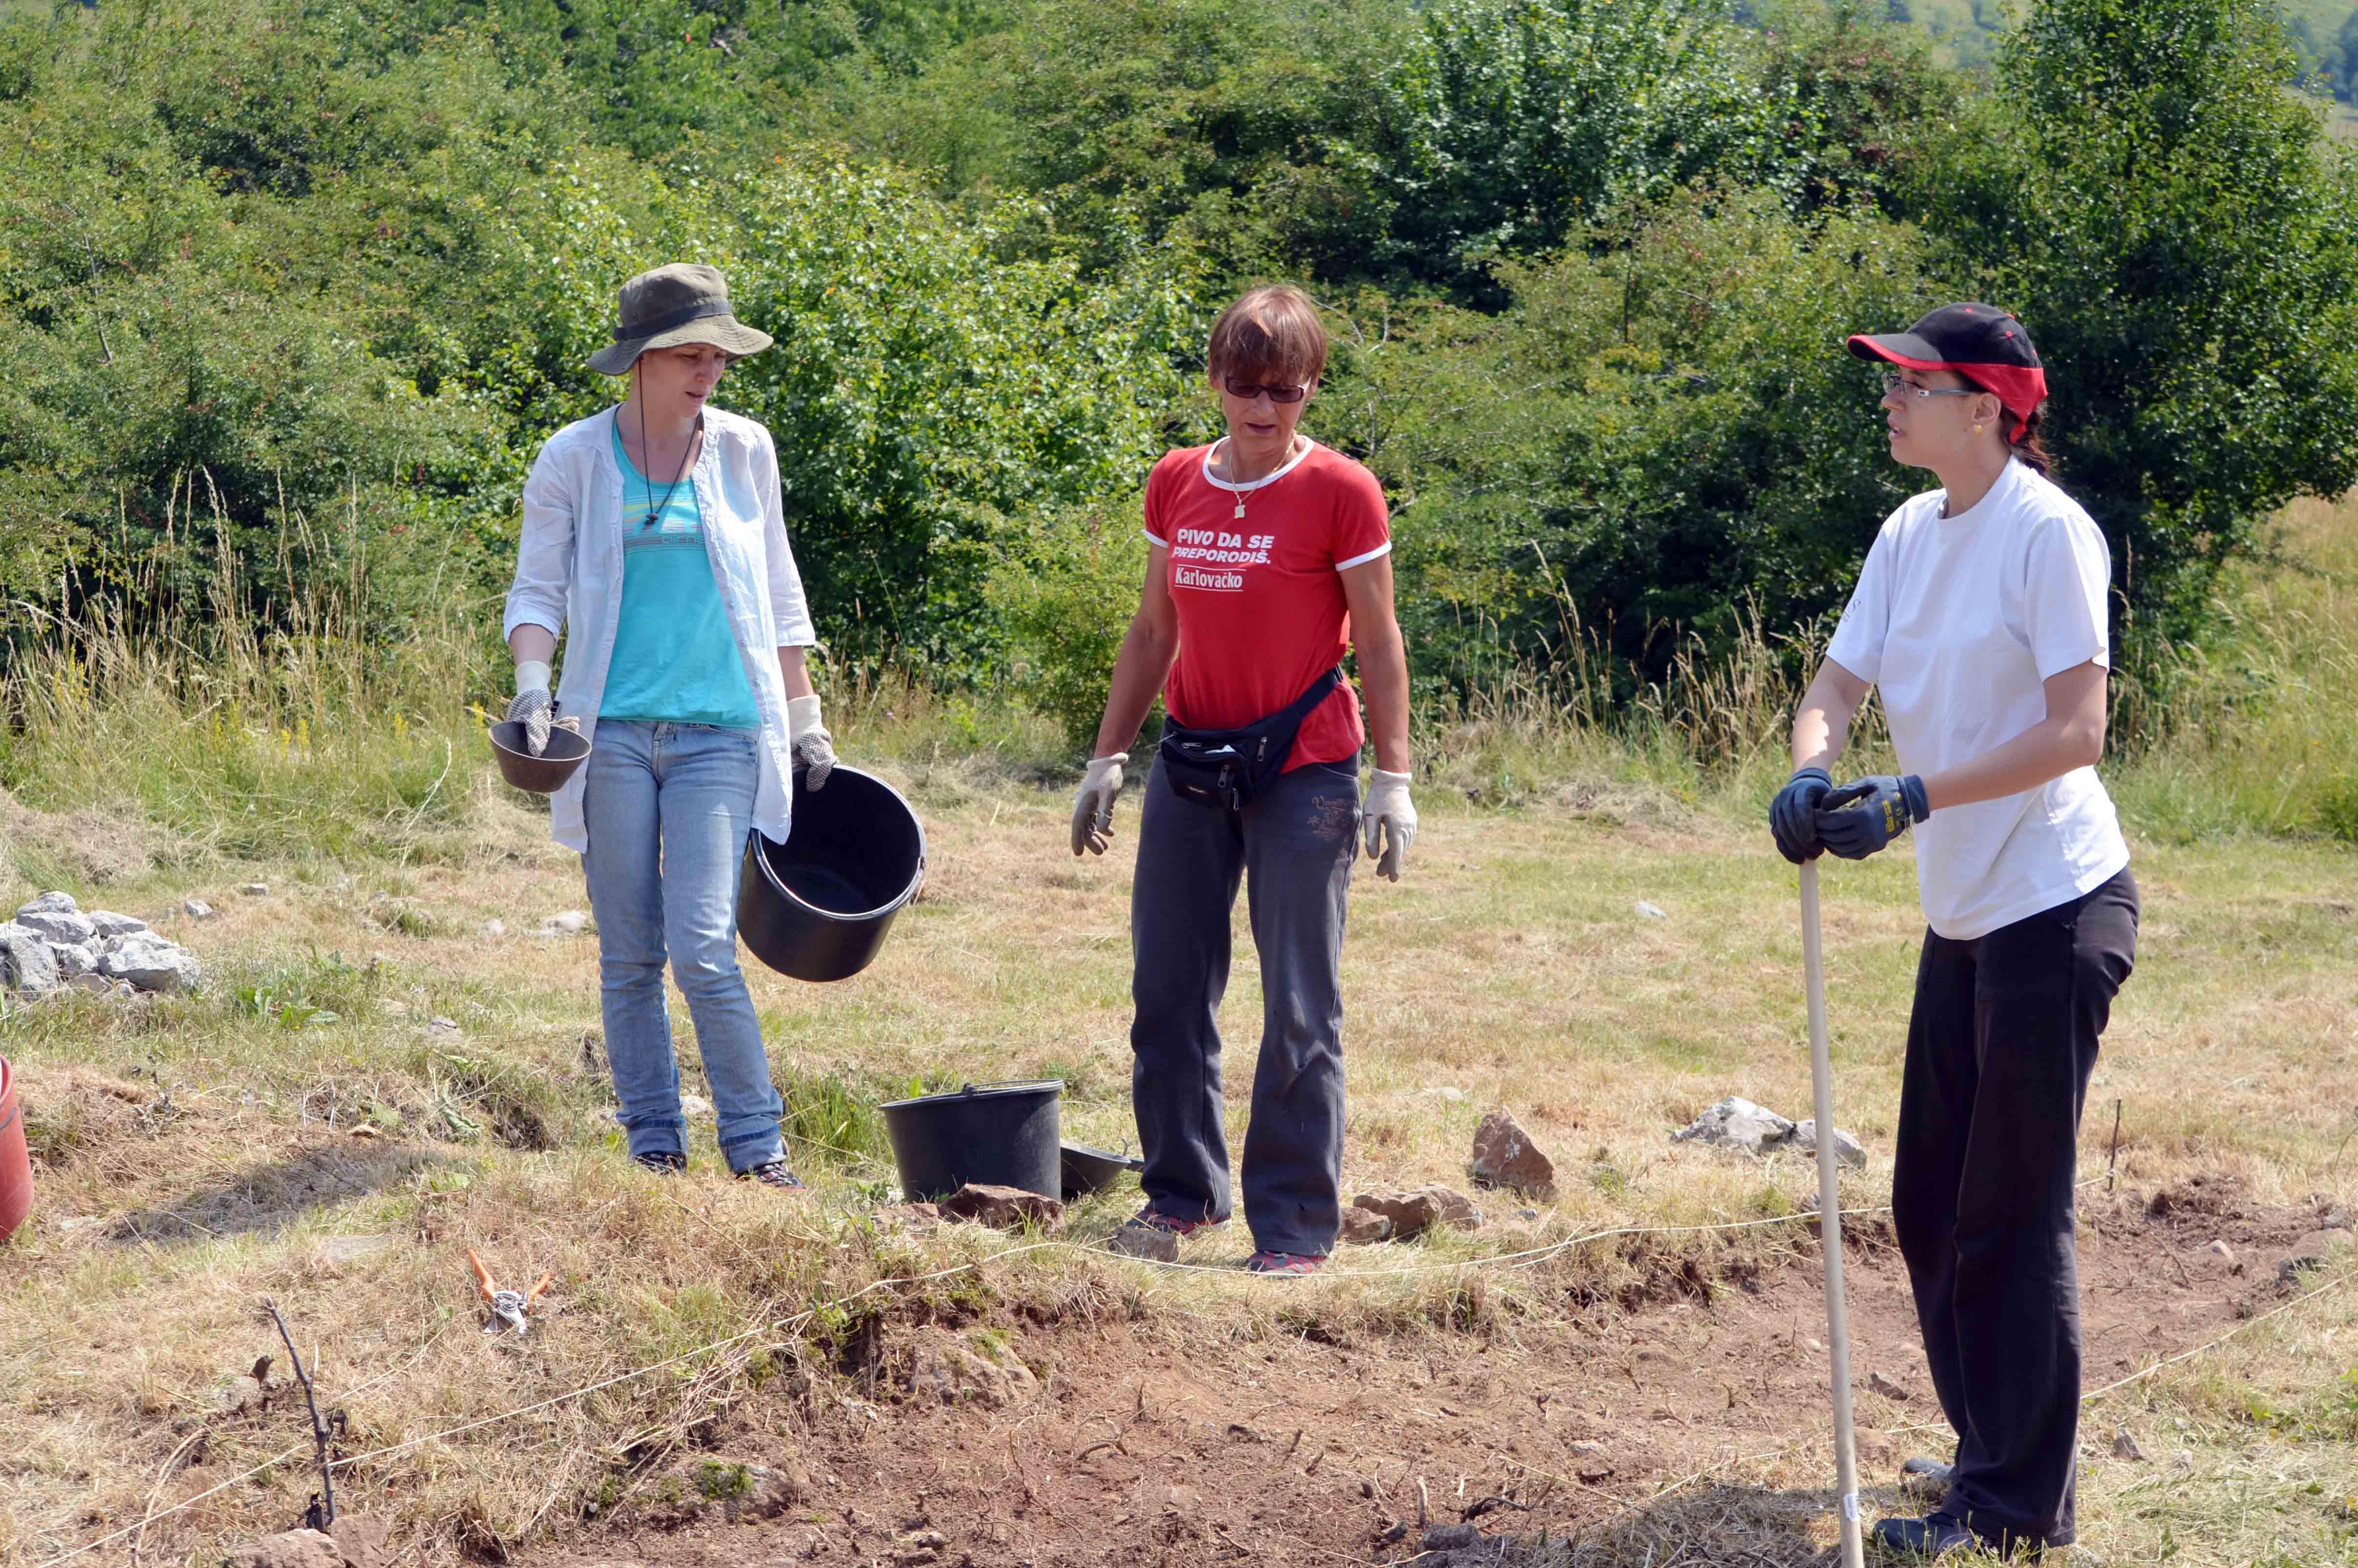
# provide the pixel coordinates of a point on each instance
(1505, 1156)
(1451, 1537)
(1888, 1387)
(1365, 1226)
(2124, 1444)
(59, 926)
(1737, 1123)
(93, 983)
(292, 1548)
(255, 890)
(1443, 1091)
(1848, 1151)
(26, 963)
(151, 963)
(1411, 1213)
(1585, 1447)
(1132, 1239)
(1457, 1211)
(2335, 1217)
(1652, 910)
(2184, 1460)
(1927, 1478)
(2311, 1252)
(2223, 1249)
(1002, 1209)
(695, 1105)
(197, 909)
(441, 1026)
(987, 1372)
(568, 921)
(495, 928)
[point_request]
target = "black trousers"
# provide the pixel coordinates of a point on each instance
(2000, 1047)
(1292, 847)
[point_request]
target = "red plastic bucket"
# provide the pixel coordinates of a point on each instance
(15, 1165)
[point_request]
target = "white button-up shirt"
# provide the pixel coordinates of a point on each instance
(570, 574)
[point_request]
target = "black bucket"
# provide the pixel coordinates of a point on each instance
(543, 774)
(1087, 1169)
(817, 906)
(1003, 1134)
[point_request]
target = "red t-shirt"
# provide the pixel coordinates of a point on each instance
(1261, 611)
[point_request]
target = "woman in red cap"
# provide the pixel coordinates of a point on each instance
(1981, 615)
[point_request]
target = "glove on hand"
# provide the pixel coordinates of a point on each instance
(1389, 820)
(1794, 815)
(533, 707)
(1866, 814)
(811, 747)
(1093, 805)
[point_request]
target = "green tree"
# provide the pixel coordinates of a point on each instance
(2184, 247)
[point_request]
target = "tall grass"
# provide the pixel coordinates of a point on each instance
(275, 720)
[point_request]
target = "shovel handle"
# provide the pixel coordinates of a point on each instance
(1830, 1220)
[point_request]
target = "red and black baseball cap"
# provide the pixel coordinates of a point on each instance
(1981, 342)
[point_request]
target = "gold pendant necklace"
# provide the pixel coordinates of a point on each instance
(1264, 480)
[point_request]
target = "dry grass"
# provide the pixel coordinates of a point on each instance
(198, 1152)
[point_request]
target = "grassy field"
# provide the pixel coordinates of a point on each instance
(374, 1079)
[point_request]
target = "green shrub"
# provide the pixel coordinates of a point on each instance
(1064, 599)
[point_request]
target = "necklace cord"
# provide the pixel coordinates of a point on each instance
(647, 453)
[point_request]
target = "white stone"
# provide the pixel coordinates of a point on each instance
(255, 890)
(1848, 1151)
(198, 909)
(60, 925)
(695, 1105)
(150, 963)
(568, 921)
(110, 923)
(74, 958)
(1652, 910)
(28, 963)
(495, 928)
(49, 903)
(1737, 1123)
(92, 983)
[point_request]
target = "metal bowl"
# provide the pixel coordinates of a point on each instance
(543, 774)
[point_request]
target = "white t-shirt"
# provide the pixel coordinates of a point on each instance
(1960, 620)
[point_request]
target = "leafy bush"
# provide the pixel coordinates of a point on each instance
(1065, 598)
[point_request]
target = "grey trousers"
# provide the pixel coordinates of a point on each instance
(1294, 847)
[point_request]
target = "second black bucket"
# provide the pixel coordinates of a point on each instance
(1008, 1135)
(817, 906)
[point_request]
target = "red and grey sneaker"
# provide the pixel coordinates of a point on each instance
(1284, 1263)
(1168, 1226)
(1155, 1236)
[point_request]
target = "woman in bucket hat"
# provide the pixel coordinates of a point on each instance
(1980, 614)
(654, 533)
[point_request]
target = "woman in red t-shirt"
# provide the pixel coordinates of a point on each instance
(1268, 552)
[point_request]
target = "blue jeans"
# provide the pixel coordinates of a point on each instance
(668, 808)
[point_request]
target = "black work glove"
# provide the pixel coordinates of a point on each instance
(1794, 815)
(1866, 814)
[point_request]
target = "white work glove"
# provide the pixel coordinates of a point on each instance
(1388, 821)
(533, 707)
(1093, 806)
(810, 745)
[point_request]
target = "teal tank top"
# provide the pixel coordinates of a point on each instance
(675, 658)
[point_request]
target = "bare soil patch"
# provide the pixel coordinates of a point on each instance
(1137, 1440)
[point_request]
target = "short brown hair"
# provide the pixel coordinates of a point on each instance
(1272, 334)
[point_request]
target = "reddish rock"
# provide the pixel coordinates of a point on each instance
(1410, 1214)
(1365, 1226)
(1505, 1156)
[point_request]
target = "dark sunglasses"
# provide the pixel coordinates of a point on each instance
(1252, 389)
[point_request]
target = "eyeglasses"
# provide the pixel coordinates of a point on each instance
(1893, 385)
(1249, 389)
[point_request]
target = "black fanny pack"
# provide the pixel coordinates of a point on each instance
(1227, 768)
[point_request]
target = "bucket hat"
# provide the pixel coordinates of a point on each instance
(682, 303)
(1985, 345)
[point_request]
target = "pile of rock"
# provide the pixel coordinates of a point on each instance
(1738, 1124)
(53, 946)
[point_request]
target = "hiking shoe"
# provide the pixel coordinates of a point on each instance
(1148, 1217)
(1939, 1535)
(662, 1161)
(774, 1174)
(1284, 1263)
